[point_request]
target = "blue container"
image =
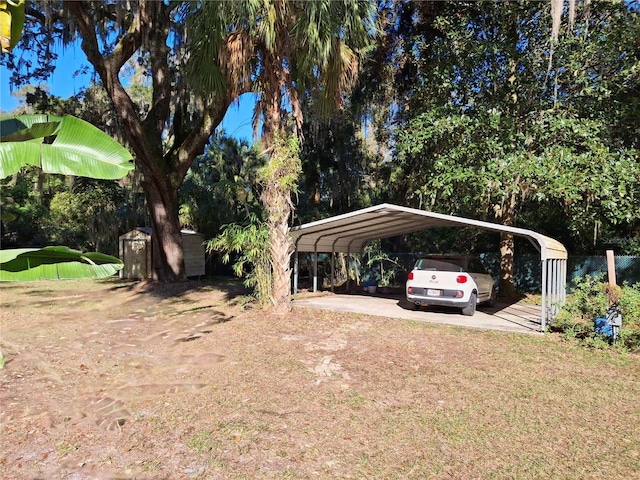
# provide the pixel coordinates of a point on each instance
(603, 327)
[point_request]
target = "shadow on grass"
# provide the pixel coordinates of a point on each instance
(40, 293)
(232, 289)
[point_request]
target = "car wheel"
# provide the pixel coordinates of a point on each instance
(413, 306)
(470, 309)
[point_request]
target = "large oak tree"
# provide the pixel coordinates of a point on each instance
(168, 137)
(289, 52)
(165, 135)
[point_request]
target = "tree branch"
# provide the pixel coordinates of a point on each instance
(108, 68)
(158, 15)
(194, 143)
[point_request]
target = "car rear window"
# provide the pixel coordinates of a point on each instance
(449, 265)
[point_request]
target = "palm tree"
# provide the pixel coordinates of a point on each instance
(297, 52)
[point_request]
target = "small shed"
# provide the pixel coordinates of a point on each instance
(135, 250)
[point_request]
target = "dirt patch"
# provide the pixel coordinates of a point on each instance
(112, 380)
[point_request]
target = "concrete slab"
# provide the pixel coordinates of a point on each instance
(504, 317)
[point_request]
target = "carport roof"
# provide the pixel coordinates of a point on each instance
(350, 232)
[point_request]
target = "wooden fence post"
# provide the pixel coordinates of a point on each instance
(611, 268)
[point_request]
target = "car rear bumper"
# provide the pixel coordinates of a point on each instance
(438, 301)
(440, 297)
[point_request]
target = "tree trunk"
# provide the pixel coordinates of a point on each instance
(276, 198)
(505, 215)
(280, 177)
(344, 270)
(167, 253)
(281, 250)
(507, 283)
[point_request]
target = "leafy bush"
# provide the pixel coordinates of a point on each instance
(249, 243)
(86, 217)
(630, 307)
(589, 300)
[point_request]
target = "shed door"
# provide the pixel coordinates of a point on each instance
(135, 258)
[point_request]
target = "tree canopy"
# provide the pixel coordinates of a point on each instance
(497, 111)
(487, 127)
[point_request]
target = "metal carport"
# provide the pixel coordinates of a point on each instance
(350, 232)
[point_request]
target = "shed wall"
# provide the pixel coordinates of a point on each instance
(135, 250)
(194, 254)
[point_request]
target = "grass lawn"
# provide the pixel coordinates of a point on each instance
(110, 379)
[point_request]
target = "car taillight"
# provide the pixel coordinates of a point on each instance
(410, 276)
(461, 279)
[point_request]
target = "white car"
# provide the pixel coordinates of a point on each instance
(450, 280)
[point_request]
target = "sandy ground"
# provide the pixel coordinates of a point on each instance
(111, 380)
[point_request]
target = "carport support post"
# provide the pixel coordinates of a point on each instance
(348, 269)
(563, 278)
(315, 270)
(558, 287)
(548, 295)
(543, 322)
(295, 271)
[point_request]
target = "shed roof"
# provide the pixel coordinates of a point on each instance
(350, 232)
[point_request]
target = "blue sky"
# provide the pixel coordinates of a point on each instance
(64, 83)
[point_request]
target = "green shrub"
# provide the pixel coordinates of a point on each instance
(585, 303)
(630, 308)
(588, 301)
(250, 244)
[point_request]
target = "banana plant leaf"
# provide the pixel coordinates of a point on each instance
(11, 23)
(64, 145)
(55, 263)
